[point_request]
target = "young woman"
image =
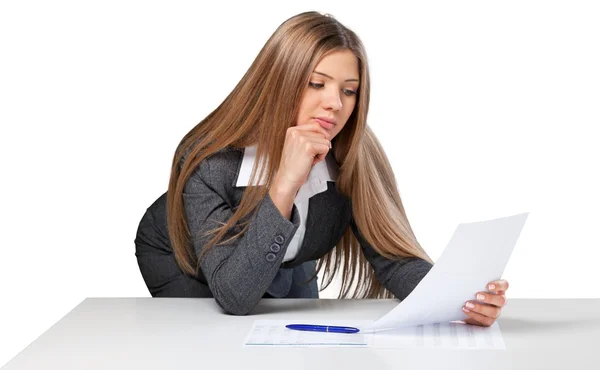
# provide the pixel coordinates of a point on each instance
(284, 173)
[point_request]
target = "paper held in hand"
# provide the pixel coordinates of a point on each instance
(476, 254)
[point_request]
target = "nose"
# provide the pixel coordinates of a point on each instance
(332, 100)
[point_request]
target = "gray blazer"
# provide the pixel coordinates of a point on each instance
(240, 273)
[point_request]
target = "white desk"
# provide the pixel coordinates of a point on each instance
(178, 333)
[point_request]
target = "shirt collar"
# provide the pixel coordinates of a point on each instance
(321, 172)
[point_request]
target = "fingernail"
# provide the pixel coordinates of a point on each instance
(330, 145)
(491, 286)
(480, 297)
(464, 309)
(470, 305)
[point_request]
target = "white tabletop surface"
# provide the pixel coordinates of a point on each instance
(176, 333)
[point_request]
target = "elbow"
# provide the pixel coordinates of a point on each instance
(232, 291)
(231, 305)
(236, 311)
(233, 301)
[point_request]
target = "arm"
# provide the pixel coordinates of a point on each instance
(239, 272)
(398, 276)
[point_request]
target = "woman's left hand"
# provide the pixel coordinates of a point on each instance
(486, 307)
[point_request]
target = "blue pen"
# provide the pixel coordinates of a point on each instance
(323, 328)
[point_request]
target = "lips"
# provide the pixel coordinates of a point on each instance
(325, 122)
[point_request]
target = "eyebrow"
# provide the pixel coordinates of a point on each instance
(328, 76)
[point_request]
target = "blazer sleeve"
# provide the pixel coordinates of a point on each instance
(398, 276)
(239, 272)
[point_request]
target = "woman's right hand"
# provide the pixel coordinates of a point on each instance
(305, 146)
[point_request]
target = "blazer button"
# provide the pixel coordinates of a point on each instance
(271, 257)
(279, 239)
(275, 248)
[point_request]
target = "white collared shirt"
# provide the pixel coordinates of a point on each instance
(315, 183)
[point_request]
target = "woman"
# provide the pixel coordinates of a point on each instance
(283, 173)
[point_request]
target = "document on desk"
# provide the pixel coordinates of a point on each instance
(451, 335)
(273, 333)
(476, 254)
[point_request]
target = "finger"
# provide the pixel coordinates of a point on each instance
(319, 157)
(322, 147)
(483, 309)
(477, 318)
(307, 140)
(318, 146)
(498, 300)
(498, 286)
(315, 127)
(314, 137)
(311, 134)
(472, 321)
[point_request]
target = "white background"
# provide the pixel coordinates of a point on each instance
(485, 109)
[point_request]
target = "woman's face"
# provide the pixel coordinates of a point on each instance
(330, 96)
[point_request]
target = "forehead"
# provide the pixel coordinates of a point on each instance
(339, 64)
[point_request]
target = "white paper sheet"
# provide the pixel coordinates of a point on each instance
(273, 333)
(476, 254)
(451, 335)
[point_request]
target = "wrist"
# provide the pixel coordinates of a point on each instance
(283, 197)
(283, 188)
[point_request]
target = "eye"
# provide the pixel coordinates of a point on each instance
(316, 85)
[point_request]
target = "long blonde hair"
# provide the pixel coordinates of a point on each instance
(258, 111)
